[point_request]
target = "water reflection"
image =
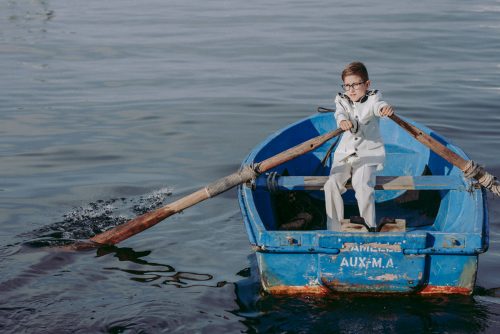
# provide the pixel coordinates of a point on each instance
(160, 274)
(355, 314)
(348, 313)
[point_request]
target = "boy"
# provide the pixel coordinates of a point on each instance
(360, 152)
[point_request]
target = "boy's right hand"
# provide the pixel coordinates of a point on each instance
(345, 125)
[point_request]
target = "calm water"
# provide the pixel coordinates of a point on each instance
(111, 108)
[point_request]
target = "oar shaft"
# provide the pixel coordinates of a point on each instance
(147, 220)
(432, 143)
(152, 218)
(468, 167)
(298, 150)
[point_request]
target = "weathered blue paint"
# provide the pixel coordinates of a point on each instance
(436, 258)
(274, 182)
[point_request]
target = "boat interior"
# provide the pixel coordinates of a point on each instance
(415, 185)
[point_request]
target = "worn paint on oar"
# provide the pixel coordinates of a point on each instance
(143, 222)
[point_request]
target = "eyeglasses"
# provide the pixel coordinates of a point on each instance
(355, 85)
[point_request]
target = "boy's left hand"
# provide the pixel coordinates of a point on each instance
(386, 111)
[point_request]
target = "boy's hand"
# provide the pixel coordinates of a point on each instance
(345, 125)
(386, 111)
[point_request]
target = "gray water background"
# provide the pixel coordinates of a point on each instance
(110, 108)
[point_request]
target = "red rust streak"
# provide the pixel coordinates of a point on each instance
(322, 290)
(298, 290)
(431, 289)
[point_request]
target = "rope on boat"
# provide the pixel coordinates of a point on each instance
(485, 179)
(245, 174)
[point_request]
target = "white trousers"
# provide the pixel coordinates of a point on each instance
(363, 182)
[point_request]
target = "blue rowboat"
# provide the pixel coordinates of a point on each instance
(440, 219)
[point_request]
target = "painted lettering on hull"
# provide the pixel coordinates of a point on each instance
(372, 248)
(366, 262)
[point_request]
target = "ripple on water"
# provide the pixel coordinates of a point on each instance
(96, 217)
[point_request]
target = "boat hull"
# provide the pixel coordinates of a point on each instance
(366, 272)
(439, 257)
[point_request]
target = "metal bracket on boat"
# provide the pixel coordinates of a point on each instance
(272, 183)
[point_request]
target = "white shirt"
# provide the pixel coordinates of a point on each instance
(367, 142)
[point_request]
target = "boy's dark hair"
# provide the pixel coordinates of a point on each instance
(355, 68)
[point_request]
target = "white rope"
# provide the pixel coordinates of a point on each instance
(485, 179)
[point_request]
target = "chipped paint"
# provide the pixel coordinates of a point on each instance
(385, 277)
(373, 247)
(454, 242)
(336, 286)
(469, 272)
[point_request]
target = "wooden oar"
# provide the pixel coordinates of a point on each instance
(147, 220)
(469, 167)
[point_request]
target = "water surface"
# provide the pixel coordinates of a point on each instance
(111, 108)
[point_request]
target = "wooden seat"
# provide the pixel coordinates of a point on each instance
(422, 182)
(346, 225)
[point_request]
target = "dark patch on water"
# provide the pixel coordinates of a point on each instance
(244, 272)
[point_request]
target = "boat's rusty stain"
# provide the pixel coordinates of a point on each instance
(335, 286)
(298, 290)
(342, 288)
(436, 290)
(331, 287)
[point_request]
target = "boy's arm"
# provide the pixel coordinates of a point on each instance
(341, 113)
(382, 108)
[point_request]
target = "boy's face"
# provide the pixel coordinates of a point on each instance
(355, 87)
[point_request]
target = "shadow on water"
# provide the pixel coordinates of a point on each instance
(45, 266)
